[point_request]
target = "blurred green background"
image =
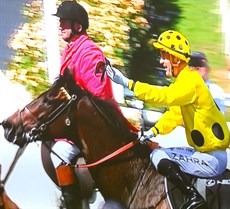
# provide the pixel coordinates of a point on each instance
(125, 30)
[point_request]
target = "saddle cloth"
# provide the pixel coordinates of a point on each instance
(216, 191)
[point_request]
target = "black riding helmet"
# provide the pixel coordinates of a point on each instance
(198, 59)
(73, 11)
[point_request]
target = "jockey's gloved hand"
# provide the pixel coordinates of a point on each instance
(116, 76)
(145, 136)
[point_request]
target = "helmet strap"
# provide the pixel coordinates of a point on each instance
(176, 64)
(172, 60)
(172, 71)
(185, 54)
(70, 37)
(76, 30)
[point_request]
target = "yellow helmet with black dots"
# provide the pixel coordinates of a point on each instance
(175, 44)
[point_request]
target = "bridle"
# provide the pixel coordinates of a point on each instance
(37, 132)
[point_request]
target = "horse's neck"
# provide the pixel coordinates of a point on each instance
(96, 133)
(131, 172)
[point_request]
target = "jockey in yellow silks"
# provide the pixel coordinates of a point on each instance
(205, 126)
(191, 105)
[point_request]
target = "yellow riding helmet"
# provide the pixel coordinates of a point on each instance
(174, 43)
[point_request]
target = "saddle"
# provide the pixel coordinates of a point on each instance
(215, 191)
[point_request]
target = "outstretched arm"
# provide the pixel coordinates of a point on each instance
(116, 76)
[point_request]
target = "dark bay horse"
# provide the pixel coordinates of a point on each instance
(98, 128)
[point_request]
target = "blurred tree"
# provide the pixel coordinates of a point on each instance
(143, 59)
(123, 29)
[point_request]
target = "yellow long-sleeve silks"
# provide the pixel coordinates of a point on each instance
(206, 127)
(169, 121)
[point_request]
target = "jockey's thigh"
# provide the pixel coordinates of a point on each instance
(65, 151)
(193, 162)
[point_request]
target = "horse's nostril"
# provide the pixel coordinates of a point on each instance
(8, 130)
(6, 124)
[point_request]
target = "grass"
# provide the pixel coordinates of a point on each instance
(200, 22)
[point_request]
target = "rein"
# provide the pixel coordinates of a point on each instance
(102, 160)
(18, 154)
(36, 132)
(110, 156)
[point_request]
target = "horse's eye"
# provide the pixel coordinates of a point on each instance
(45, 101)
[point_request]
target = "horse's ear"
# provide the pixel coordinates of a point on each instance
(69, 78)
(68, 73)
(69, 81)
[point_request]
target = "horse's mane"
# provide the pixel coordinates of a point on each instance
(114, 117)
(107, 108)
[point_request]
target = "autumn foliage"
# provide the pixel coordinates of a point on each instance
(109, 28)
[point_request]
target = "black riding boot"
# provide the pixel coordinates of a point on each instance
(69, 187)
(172, 172)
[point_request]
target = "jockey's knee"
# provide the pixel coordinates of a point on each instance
(157, 155)
(63, 152)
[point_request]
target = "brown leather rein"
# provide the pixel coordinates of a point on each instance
(106, 158)
(110, 156)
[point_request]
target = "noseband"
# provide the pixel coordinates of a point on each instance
(36, 132)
